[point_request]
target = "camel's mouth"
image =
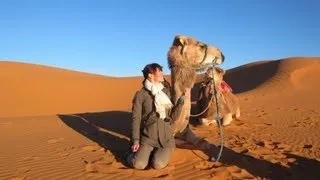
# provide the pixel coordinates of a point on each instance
(212, 59)
(204, 67)
(207, 63)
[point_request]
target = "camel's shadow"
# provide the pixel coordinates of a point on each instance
(301, 168)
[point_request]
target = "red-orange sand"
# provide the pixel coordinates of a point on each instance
(63, 124)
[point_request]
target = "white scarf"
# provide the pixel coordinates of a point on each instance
(161, 100)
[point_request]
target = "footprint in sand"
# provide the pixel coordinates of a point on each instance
(53, 141)
(6, 124)
(65, 151)
(307, 146)
(107, 159)
(240, 150)
(205, 165)
(239, 122)
(291, 160)
(19, 178)
(106, 165)
(234, 169)
(238, 173)
(221, 173)
(24, 170)
(306, 122)
(153, 173)
(263, 124)
(22, 173)
(30, 158)
(92, 148)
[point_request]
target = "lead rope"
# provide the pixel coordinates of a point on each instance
(217, 118)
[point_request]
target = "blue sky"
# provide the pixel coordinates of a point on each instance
(117, 38)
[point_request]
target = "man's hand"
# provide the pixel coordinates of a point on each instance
(135, 147)
(185, 95)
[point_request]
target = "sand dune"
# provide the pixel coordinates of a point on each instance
(273, 76)
(62, 124)
(33, 90)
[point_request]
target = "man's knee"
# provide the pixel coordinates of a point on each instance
(138, 164)
(161, 158)
(159, 164)
(135, 163)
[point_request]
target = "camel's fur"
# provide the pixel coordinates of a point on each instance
(228, 103)
(185, 54)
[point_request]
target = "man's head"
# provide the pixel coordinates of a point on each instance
(153, 72)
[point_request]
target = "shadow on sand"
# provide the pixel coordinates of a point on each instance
(301, 168)
(112, 129)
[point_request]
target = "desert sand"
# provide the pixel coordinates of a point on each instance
(63, 124)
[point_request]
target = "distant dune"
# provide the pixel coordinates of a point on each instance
(62, 124)
(294, 73)
(33, 90)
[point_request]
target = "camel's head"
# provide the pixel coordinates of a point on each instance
(189, 52)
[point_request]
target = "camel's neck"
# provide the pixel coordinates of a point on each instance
(181, 79)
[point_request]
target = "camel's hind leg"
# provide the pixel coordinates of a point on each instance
(238, 113)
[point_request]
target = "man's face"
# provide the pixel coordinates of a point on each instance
(157, 76)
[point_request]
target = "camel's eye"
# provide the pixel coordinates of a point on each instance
(201, 45)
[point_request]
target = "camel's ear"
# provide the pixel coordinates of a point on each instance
(180, 40)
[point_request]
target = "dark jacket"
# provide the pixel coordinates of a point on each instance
(147, 126)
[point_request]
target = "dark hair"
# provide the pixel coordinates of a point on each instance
(150, 68)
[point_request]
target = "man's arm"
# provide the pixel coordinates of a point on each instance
(177, 109)
(136, 118)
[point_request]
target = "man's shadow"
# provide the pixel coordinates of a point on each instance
(110, 129)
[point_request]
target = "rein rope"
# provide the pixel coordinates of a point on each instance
(217, 117)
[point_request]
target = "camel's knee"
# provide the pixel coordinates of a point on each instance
(206, 122)
(227, 119)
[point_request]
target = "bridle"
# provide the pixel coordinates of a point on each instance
(202, 66)
(205, 53)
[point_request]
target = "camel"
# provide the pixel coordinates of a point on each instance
(228, 103)
(186, 56)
